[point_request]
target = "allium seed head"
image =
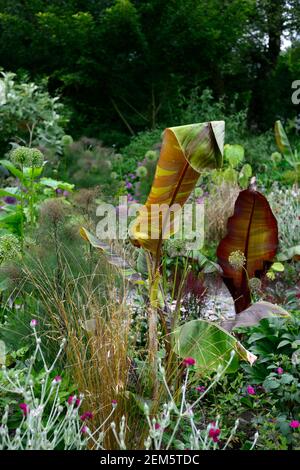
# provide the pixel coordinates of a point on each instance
(237, 259)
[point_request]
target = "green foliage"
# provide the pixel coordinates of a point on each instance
(208, 344)
(29, 115)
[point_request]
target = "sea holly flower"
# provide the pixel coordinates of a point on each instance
(189, 361)
(250, 390)
(295, 424)
(24, 408)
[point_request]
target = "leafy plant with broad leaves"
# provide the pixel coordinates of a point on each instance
(29, 115)
(292, 156)
(253, 231)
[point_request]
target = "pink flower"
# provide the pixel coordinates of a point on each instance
(87, 415)
(279, 370)
(250, 390)
(33, 323)
(77, 402)
(201, 389)
(114, 403)
(84, 429)
(24, 408)
(189, 361)
(71, 400)
(294, 424)
(56, 380)
(214, 433)
(157, 426)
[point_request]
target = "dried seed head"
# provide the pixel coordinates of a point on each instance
(255, 284)
(237, 259)
(53, 211)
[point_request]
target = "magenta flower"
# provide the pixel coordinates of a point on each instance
(188, 361)
(84, 429)
(71, 400)
(214, 433)
(157, 426)
(250, 390)
(56, 380)
(294, 424)
(33, 323)
(87, 415)
(201, 389)
(279, 370)
(77, 402)
(24, 408)
(114, 403)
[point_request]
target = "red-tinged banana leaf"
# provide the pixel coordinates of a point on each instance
(252, 230)
(186, 151)
(114, 260)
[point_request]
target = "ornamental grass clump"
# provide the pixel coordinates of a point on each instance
(46, 422)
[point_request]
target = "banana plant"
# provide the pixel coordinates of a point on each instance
(186, 151)
(292, 156)
(249, 246)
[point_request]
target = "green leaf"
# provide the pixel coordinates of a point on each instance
(234, 154)
(209, 345)
(10, 167)
(2, 353)
(283, 343)
(117, 262)
(282, 140)
(54, 184)
(278, 267)
(13, 192)
(289, 253)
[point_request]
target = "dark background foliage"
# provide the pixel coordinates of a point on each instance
(124, 66)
